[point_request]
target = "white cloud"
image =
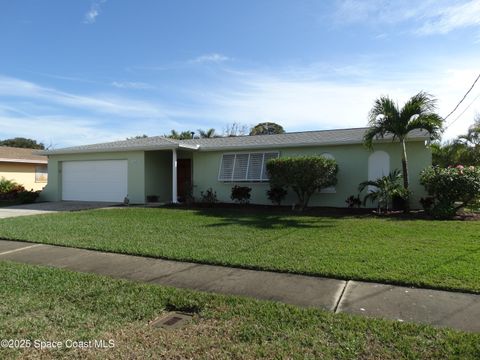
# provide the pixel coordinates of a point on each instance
(300, 98)
(95, 9)
(62, 129)
(131, 85)
(105, 103)
(449, 18)
(311, 103)
(210, 58)
(63, 119)
(428, 17)
(381, 11)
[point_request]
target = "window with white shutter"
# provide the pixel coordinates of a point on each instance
(241, 167)
(255, 167)
(249, 167)
(226, 167)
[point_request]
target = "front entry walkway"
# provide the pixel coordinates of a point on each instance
(433, 307)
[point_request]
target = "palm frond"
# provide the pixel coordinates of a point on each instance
(385, 117)
(431, 122)
(364, 184)
(381, 119)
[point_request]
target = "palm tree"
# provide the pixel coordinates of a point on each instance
(210, 133)
(386, 118)
(184, 135)
(472, 138)
(383, 189)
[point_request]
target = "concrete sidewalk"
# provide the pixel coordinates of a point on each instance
(438, 308)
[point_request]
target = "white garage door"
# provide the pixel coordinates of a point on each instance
(104, 180)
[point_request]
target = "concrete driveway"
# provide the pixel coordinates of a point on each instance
(51, 207)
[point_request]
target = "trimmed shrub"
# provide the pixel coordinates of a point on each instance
(451, 188)
(304, 175)
(241, 194)
(276, 194)
(28, 197)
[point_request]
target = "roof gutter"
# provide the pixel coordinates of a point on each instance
(107, 150)
(25, 161)
(189, 147)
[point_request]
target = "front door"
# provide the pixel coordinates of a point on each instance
(184, 178)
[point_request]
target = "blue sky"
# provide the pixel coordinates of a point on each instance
(77, 72)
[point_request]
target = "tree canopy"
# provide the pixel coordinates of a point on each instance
(209, 133)
(267, 128)
(183, 135)
(21, 142)
(464, 150)
(137, 137)
(235, 129)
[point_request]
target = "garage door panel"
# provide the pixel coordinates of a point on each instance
(103, 180)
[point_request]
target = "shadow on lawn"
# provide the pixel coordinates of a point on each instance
(264, 220)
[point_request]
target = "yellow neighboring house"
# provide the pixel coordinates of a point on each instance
(23, 167)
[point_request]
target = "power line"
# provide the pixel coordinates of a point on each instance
(463, 112)
(464, 96)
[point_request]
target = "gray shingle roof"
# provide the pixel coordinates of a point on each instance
(305, 138)
(148, 143)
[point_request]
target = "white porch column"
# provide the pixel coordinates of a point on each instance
(174, 176)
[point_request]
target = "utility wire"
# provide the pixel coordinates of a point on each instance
(464, 96)
(463, 112)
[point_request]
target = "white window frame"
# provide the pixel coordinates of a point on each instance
(246, 180)
(40, 175)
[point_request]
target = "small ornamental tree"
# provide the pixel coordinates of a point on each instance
(451, 188)
(304, 175)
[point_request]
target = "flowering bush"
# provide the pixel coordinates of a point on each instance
(451, 188)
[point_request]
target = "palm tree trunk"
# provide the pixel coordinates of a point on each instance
(405, 172)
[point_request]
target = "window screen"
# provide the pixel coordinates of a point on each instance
(245, 166)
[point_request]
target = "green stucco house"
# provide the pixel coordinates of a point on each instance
(160, 168)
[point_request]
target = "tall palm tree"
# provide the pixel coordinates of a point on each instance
(386, 118)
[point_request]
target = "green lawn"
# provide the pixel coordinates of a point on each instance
(55, 305)
(439, 254)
